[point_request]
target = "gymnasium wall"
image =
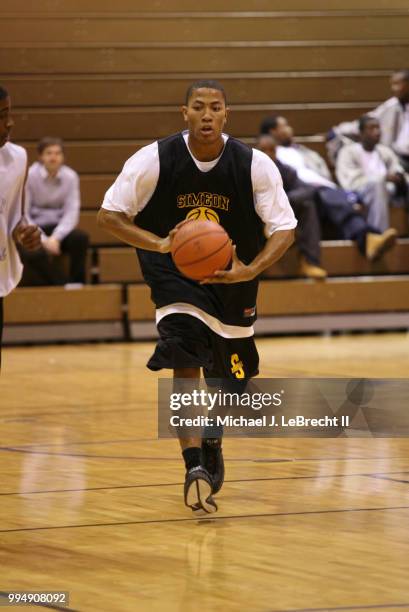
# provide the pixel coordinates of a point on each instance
(109, 77)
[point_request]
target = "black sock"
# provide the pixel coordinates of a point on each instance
(192, 457)
(213, 442)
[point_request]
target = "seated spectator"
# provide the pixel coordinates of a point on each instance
(310, 166)
(302, 198)
(374, 171)
(339, 207)
(393, 116)
(53, 203)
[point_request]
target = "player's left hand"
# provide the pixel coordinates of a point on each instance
(238, 273)
(29, 236)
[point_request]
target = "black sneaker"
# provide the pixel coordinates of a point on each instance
(212, 457)
(198, 491)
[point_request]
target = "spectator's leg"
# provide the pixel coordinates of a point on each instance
(371, 243)
(308, 230)
(38, 267)
(76, 244)
(341, 212)
(376, 196)
(336, 205)
(356, 228)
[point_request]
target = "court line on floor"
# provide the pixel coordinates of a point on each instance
(133, 440)
(81, 411)
(382, 477)
(368, 458)
(210, 519)
(84, 455)
(345, 608)
(178, 484)
(85, 443)
(18, 449)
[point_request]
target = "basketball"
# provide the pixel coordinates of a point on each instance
(199, 248)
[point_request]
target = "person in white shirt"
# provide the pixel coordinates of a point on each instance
(209, 324)
(393, 116)
(338, 206)
(13, 226)
(374, 171)
(53, 203)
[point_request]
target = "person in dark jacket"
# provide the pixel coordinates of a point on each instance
(302, 198)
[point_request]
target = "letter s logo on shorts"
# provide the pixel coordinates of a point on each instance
(237, 366)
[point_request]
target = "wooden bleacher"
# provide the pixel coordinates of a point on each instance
(105, 6)
(227, 26)
(306, 306)
(282, 298)
(67, 90)
(340, 258)
(44, 314)
(110, 79)
(97, 159)
(156, 122)
(99, 237)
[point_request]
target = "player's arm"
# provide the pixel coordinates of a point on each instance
(121, 226)
(126, 198)
(273, 250)
(273, 208)
(25, 232)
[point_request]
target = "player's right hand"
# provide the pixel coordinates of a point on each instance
(29, 236)
(165, 244)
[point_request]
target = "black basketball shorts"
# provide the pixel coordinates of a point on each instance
(186, 342)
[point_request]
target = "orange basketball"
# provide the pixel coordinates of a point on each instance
(199, 248)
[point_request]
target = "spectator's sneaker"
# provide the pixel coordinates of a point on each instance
(311, 270)
(378, 244)
(198, 491)
(212, 455)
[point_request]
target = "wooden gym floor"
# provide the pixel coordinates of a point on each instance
(91, 501)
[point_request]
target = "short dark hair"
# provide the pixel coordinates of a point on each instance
(49, 141)
(404, 73)
(364, 120)
(208, 84)
(3, 93)
(269, 123)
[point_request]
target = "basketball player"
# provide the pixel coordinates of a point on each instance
(13, 227)
(202, 173)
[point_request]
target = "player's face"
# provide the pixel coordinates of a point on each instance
(372, 132)
(52, 157)
(400, 87)
(6, 122)
(205, 115)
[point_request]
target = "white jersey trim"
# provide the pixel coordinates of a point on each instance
(219, 328)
